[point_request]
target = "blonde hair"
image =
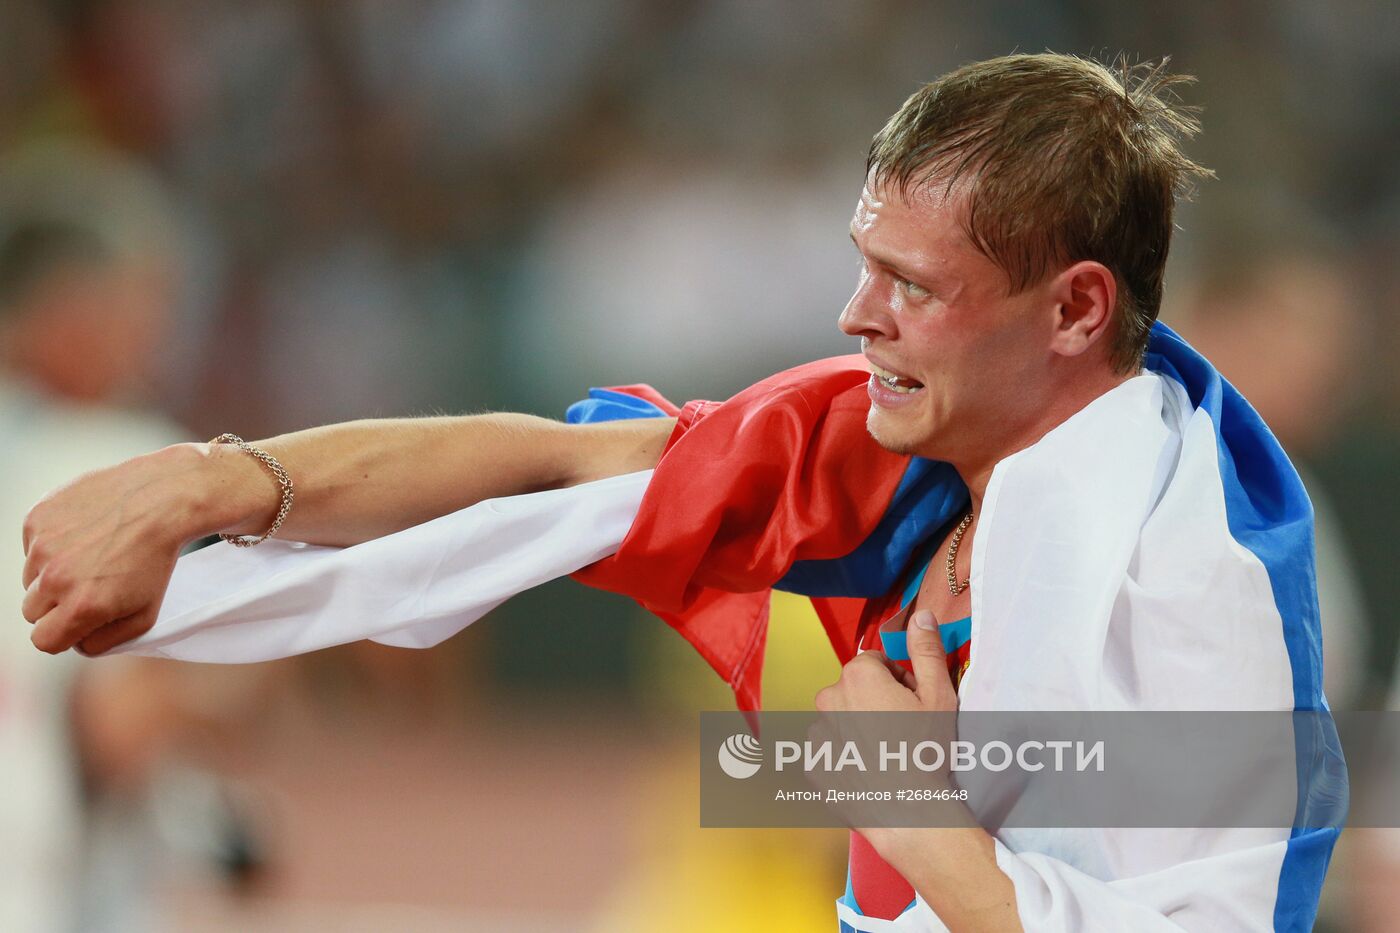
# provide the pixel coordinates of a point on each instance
(1066, 160)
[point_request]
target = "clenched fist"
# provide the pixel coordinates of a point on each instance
(99, 551)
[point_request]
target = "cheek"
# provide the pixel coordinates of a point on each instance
(941, 351)
(967, 369)
(1004, 353)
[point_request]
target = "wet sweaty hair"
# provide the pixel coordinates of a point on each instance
(1064, 160)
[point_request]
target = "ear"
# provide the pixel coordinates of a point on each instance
(1085, 295)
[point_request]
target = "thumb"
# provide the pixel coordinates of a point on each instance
(926, 652)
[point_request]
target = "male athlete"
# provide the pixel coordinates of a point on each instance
(1112, 527)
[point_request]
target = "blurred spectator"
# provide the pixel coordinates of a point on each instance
(1273, 303)
(87, 273)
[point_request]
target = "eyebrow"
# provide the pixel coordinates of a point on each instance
(933, 285)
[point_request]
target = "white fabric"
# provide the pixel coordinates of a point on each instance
(919, 918)
(412, 589)
(1104, 577)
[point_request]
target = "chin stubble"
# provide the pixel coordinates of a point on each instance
(893, 447)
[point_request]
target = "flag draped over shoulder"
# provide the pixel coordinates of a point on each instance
(1152, 552)
(781, 486)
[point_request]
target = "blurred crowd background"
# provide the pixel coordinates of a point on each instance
(261, 215)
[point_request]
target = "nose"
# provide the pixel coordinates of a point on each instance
(866, 315)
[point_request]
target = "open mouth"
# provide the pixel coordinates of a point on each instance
(895, 382)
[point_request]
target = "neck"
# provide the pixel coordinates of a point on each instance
(976, 472)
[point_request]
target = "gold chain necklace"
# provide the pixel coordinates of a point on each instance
(954, 586)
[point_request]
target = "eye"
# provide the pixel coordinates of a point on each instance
(911, 289)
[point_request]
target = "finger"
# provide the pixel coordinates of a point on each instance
(36, 603)
(926, 650)
(26, 532)
(117, 633)
(821, 732)
(902, 674)
(56, 631)
(865, 662)
(832, 698)
(32, 566)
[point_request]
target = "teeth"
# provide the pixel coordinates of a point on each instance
(891, 381)
(884, 374)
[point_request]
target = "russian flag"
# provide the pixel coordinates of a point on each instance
(1208, 541)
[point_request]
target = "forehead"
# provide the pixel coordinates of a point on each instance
(924, 223)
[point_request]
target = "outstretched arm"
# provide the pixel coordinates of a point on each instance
(366, 479)
(100, 551)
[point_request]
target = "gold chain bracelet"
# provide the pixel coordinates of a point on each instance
(284, 480)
